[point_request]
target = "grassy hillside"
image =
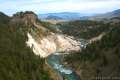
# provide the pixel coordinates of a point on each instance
(17, 62)
(100, 60)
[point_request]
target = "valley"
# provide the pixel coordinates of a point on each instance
(35, 49)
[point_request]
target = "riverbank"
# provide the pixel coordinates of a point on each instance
(53, 74)
(54, 61)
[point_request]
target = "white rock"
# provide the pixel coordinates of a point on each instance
(51, 44)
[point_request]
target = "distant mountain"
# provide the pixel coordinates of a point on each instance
(109, 15)
(51, 17)
(62, 15)
(116, 12)
(79, 16)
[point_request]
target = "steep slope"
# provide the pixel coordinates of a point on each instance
(25, 28)
(100, 60)
(44, 42)
(17, 62)
(4, 18)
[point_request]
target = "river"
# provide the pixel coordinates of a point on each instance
(54, 61)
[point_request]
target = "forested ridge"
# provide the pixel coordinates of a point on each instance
(17, 61)
(85, 29)
(99, 60)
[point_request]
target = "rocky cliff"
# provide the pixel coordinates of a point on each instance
(43, 41)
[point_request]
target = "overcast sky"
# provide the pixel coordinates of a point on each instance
(51, 6)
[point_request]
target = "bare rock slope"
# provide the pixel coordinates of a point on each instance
(43, 41)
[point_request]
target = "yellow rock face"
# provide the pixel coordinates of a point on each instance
(51, 44)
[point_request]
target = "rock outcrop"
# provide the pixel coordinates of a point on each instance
(28, 18)
(41, 39)
(51, 44)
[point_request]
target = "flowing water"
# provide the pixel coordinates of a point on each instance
(54, 61)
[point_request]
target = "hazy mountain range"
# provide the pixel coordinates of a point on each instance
(62, 16)
(108, 15)
(79, 16)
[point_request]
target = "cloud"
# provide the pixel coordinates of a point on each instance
(47, 6)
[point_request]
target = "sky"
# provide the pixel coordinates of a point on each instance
(53, 6)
